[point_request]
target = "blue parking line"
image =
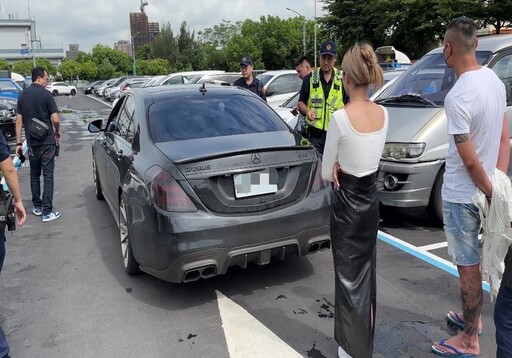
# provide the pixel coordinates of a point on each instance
(424, 256)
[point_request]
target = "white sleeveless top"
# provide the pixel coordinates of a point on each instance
(357, 153)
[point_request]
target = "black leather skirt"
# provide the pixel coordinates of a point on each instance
(354, 225)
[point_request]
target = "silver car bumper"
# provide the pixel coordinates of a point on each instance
(414, 182)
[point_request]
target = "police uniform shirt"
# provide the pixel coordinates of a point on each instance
(326, 86)
(255, 86)
(5, 151)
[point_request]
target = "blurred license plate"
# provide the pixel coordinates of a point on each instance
(256, 183)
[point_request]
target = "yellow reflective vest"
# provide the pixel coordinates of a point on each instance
(324, 108)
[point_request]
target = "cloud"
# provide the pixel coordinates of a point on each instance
(88, 22)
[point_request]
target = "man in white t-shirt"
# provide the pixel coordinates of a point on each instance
(478, 143)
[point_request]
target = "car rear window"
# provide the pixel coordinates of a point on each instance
(211, 115)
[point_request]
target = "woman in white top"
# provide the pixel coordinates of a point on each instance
(353, 148)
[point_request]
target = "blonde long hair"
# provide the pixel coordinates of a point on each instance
(360, 64)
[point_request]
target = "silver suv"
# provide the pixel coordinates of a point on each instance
(412, 165)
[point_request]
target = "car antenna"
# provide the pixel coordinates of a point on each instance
(203, 89)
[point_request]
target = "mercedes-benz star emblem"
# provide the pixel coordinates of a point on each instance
(256, 159)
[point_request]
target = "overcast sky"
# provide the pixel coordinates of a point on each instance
(88, 22)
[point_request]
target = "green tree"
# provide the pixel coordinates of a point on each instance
(44, 62)
(88, 70)
(153, 67)
(105, 70)
(70, 70)
(82, 57)
(164, 44)
(145, 52)
(23, 67)
(4, 65)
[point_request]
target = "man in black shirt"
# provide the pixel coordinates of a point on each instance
(37, 102)
(248, 81)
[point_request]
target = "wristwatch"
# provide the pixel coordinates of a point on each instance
(19, 143)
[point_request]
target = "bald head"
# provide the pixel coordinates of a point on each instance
(461, 34)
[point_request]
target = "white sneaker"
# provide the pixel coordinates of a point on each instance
(53, 215)
(342, 353)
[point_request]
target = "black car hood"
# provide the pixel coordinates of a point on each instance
(194, 149)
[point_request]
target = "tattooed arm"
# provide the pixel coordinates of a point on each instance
(475, 169)
(504, 153)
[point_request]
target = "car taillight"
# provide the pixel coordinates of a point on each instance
(167, 193)
(318, 182)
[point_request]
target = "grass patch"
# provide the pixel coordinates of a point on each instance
(65, 110)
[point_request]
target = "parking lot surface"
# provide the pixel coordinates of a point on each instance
(64, 292)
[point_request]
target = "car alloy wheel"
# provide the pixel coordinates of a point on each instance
(55, 93)
(73, 92)
(130, 265)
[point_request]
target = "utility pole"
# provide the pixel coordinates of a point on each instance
(133, 52)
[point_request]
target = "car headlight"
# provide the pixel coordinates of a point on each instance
(403, 150)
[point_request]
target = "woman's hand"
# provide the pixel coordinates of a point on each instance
(335, 173)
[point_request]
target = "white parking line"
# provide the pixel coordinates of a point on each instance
(99, 100)
(423, 255)
(436, 246)
(248, 337)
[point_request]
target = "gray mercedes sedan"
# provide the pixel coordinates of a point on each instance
(203, 177)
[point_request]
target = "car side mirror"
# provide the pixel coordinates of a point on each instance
(95, 126)
(270, 92)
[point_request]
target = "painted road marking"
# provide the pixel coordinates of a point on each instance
(431, 247)
(99, 100)
(423, 255)
(248, 337)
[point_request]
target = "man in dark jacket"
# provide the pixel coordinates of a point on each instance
(248, 81)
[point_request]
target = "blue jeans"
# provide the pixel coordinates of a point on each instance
(42, 159)
(503, 322)
(461, 227)
(4, 346)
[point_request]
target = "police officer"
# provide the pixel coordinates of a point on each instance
(320, 95)
(10, 176)
(248, 81)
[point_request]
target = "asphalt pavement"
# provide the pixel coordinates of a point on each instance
(64, 293)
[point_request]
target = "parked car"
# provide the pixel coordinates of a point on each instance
(90, 87)
(9, 88)
(125, 86)
(280, 85)
(412, 166)
(228, 78)
(59, 88)
(285, 110)
(230, 187)
(99, 89)
(117, 85)
(179, 78)
(8, 117)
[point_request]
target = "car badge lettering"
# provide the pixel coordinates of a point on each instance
(256, 158)
(198, 168)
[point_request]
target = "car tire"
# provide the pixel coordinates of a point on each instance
(130, 264)
(435, 204)
(97, 184)
(73, 92)
(55, 93)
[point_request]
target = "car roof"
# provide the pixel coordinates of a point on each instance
(160, 93)
(279, 72)
(491, 43)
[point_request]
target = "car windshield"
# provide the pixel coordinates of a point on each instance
(291, 102)
(427, 81)
(213, 115)
(264, 78)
